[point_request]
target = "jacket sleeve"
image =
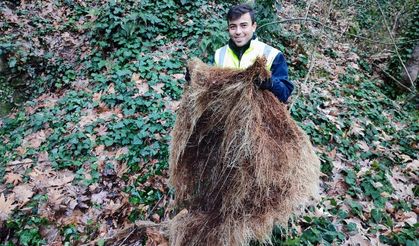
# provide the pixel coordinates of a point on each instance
(279, 85)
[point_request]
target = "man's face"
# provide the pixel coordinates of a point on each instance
(241, 30)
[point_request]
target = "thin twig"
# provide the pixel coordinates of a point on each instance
(125, 239)
(391, 77)
(395, 46)
(396, 18)
(31, 162)
(152, 210)
(23, 163)
(333, 29)
(307, 9)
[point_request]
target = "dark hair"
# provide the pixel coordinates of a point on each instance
(238, 10)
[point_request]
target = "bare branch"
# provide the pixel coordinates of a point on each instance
(29, 162)
(396, 18)
(395, 46)
(394, 79)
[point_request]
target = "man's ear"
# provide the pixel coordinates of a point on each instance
(254, 25)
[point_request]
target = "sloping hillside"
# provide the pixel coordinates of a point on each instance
(86, 156)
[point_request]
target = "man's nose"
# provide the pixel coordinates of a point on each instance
(239, 30)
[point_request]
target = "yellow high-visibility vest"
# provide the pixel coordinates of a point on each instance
(225, 57)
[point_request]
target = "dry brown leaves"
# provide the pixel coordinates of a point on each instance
(13, 178)
(23, 193)
(6, 206)
(35, 139)
(155, 238)
(141, 85)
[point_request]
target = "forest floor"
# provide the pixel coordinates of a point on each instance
(86, 161)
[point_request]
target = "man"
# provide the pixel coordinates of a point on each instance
(243, 48)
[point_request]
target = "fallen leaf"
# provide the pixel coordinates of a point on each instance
(6, 207)
(21, 150)
(112, 207)
(332, 154)
(106, 116)
(141, 85)
(356, 129)
(41, 178)
(142, 89)
(357, 239)
(73, 218)
(363, 145)
(12, 178)
(97, 96)
(55, 197)
(9, 15)
(122, 151)
(412, 166)
(122, 169)
(87, 119)
(407, 217)
(405, 158)
(155, 238)
(99, 150)
(43, 158)
(99, 197)
(52, 235)
(101, 130)
(158, 88)
(111, 89)
(35, 140)
(62, 179)
(22, 164)
(136, 78)
(23, 193)
(178, 76)
(173, 105)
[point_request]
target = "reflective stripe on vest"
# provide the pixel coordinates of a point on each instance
(225, 57)
(267, 51)
(222, 55)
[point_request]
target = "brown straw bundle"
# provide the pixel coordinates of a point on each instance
(238, 162)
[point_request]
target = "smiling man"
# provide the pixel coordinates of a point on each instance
(243, 48)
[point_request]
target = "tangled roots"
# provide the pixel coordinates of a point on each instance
(238, 162)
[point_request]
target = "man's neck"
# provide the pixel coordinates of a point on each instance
(239, 51)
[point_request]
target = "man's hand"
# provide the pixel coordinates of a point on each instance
(187, 76)
(265, 85)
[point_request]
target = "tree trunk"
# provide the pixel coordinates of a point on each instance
(412, 66)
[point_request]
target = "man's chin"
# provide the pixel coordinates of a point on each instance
(239, 44)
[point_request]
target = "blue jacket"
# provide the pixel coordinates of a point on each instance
(279, 83)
